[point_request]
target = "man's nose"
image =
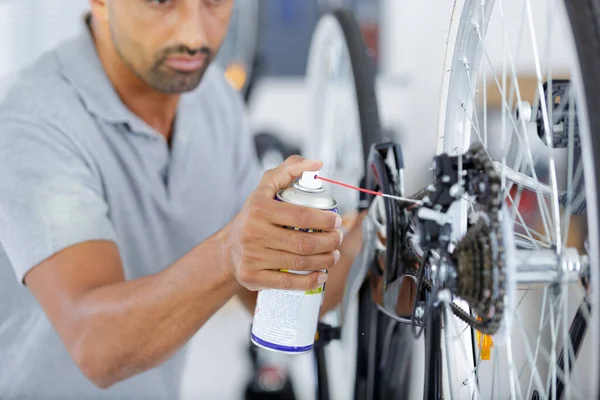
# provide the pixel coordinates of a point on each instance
(192, 30)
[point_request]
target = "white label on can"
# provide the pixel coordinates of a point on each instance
(287, 317)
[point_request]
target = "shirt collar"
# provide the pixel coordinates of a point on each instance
(81, 66)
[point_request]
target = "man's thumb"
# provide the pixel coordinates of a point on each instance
(282, 176)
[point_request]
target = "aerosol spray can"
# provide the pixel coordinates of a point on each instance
(286, 320)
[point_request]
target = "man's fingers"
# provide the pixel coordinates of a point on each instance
(302, 243)
(290, 280)
(285, 214)
(275, 260)
(272, 264)
(295, 262)
(282, 176)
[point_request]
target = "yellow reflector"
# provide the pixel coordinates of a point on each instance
(485, 344)
(236, 75)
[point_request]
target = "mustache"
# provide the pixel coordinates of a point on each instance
(185, 50)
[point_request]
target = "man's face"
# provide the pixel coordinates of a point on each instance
(168, 43)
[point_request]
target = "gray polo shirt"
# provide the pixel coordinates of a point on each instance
(77, 165)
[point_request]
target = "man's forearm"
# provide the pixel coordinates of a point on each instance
(132, 326)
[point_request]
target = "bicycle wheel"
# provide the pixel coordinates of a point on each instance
(520, 270)
(343, 106)
(345, 124)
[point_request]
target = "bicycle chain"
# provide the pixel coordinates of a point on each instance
(480, 250)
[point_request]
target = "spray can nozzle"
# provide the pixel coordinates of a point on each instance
(309, 180)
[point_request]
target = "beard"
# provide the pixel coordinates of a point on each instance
(159, 76)
(165, 79)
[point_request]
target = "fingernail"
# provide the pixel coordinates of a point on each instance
(338, 222)
(322, 278)
(336, 255)
(341, 236)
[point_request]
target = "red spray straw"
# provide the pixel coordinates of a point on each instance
(403, 199)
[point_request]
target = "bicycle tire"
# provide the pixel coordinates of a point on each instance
(370, 127)
(364, 80)
(373, 381)
(363, 72)
(585, 24)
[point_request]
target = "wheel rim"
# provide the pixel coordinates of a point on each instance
(335, 134)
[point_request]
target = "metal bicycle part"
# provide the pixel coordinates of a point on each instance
(550, 346)
(393, 266)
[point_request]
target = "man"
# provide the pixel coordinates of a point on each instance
(132, 207)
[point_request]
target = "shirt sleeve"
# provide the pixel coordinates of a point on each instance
(50, 198)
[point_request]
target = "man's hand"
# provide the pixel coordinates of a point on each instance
(258, 246)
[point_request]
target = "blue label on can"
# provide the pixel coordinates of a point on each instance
(278, 347)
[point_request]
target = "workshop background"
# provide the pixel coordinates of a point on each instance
(408, 54)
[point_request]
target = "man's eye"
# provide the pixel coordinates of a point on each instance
(216, 2)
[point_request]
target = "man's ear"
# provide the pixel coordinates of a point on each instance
(99, 9)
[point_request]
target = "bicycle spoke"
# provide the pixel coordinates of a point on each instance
(504, 110)
(449, 355)
(503, 184)
(549, 143)
(512, 92)
(546, 357)
(528, 230)
(559, 373)
(566, 341)
(535, 243)
(537, 345)
(570, 161)
(495, 377)
(543, 209)
(473, 388)
(515, 212)
(541, 203)
(551, 381)
(577, 381)
(472, 89)
(520, 42)
(531, 232)
(518, 93)
(512, 374)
